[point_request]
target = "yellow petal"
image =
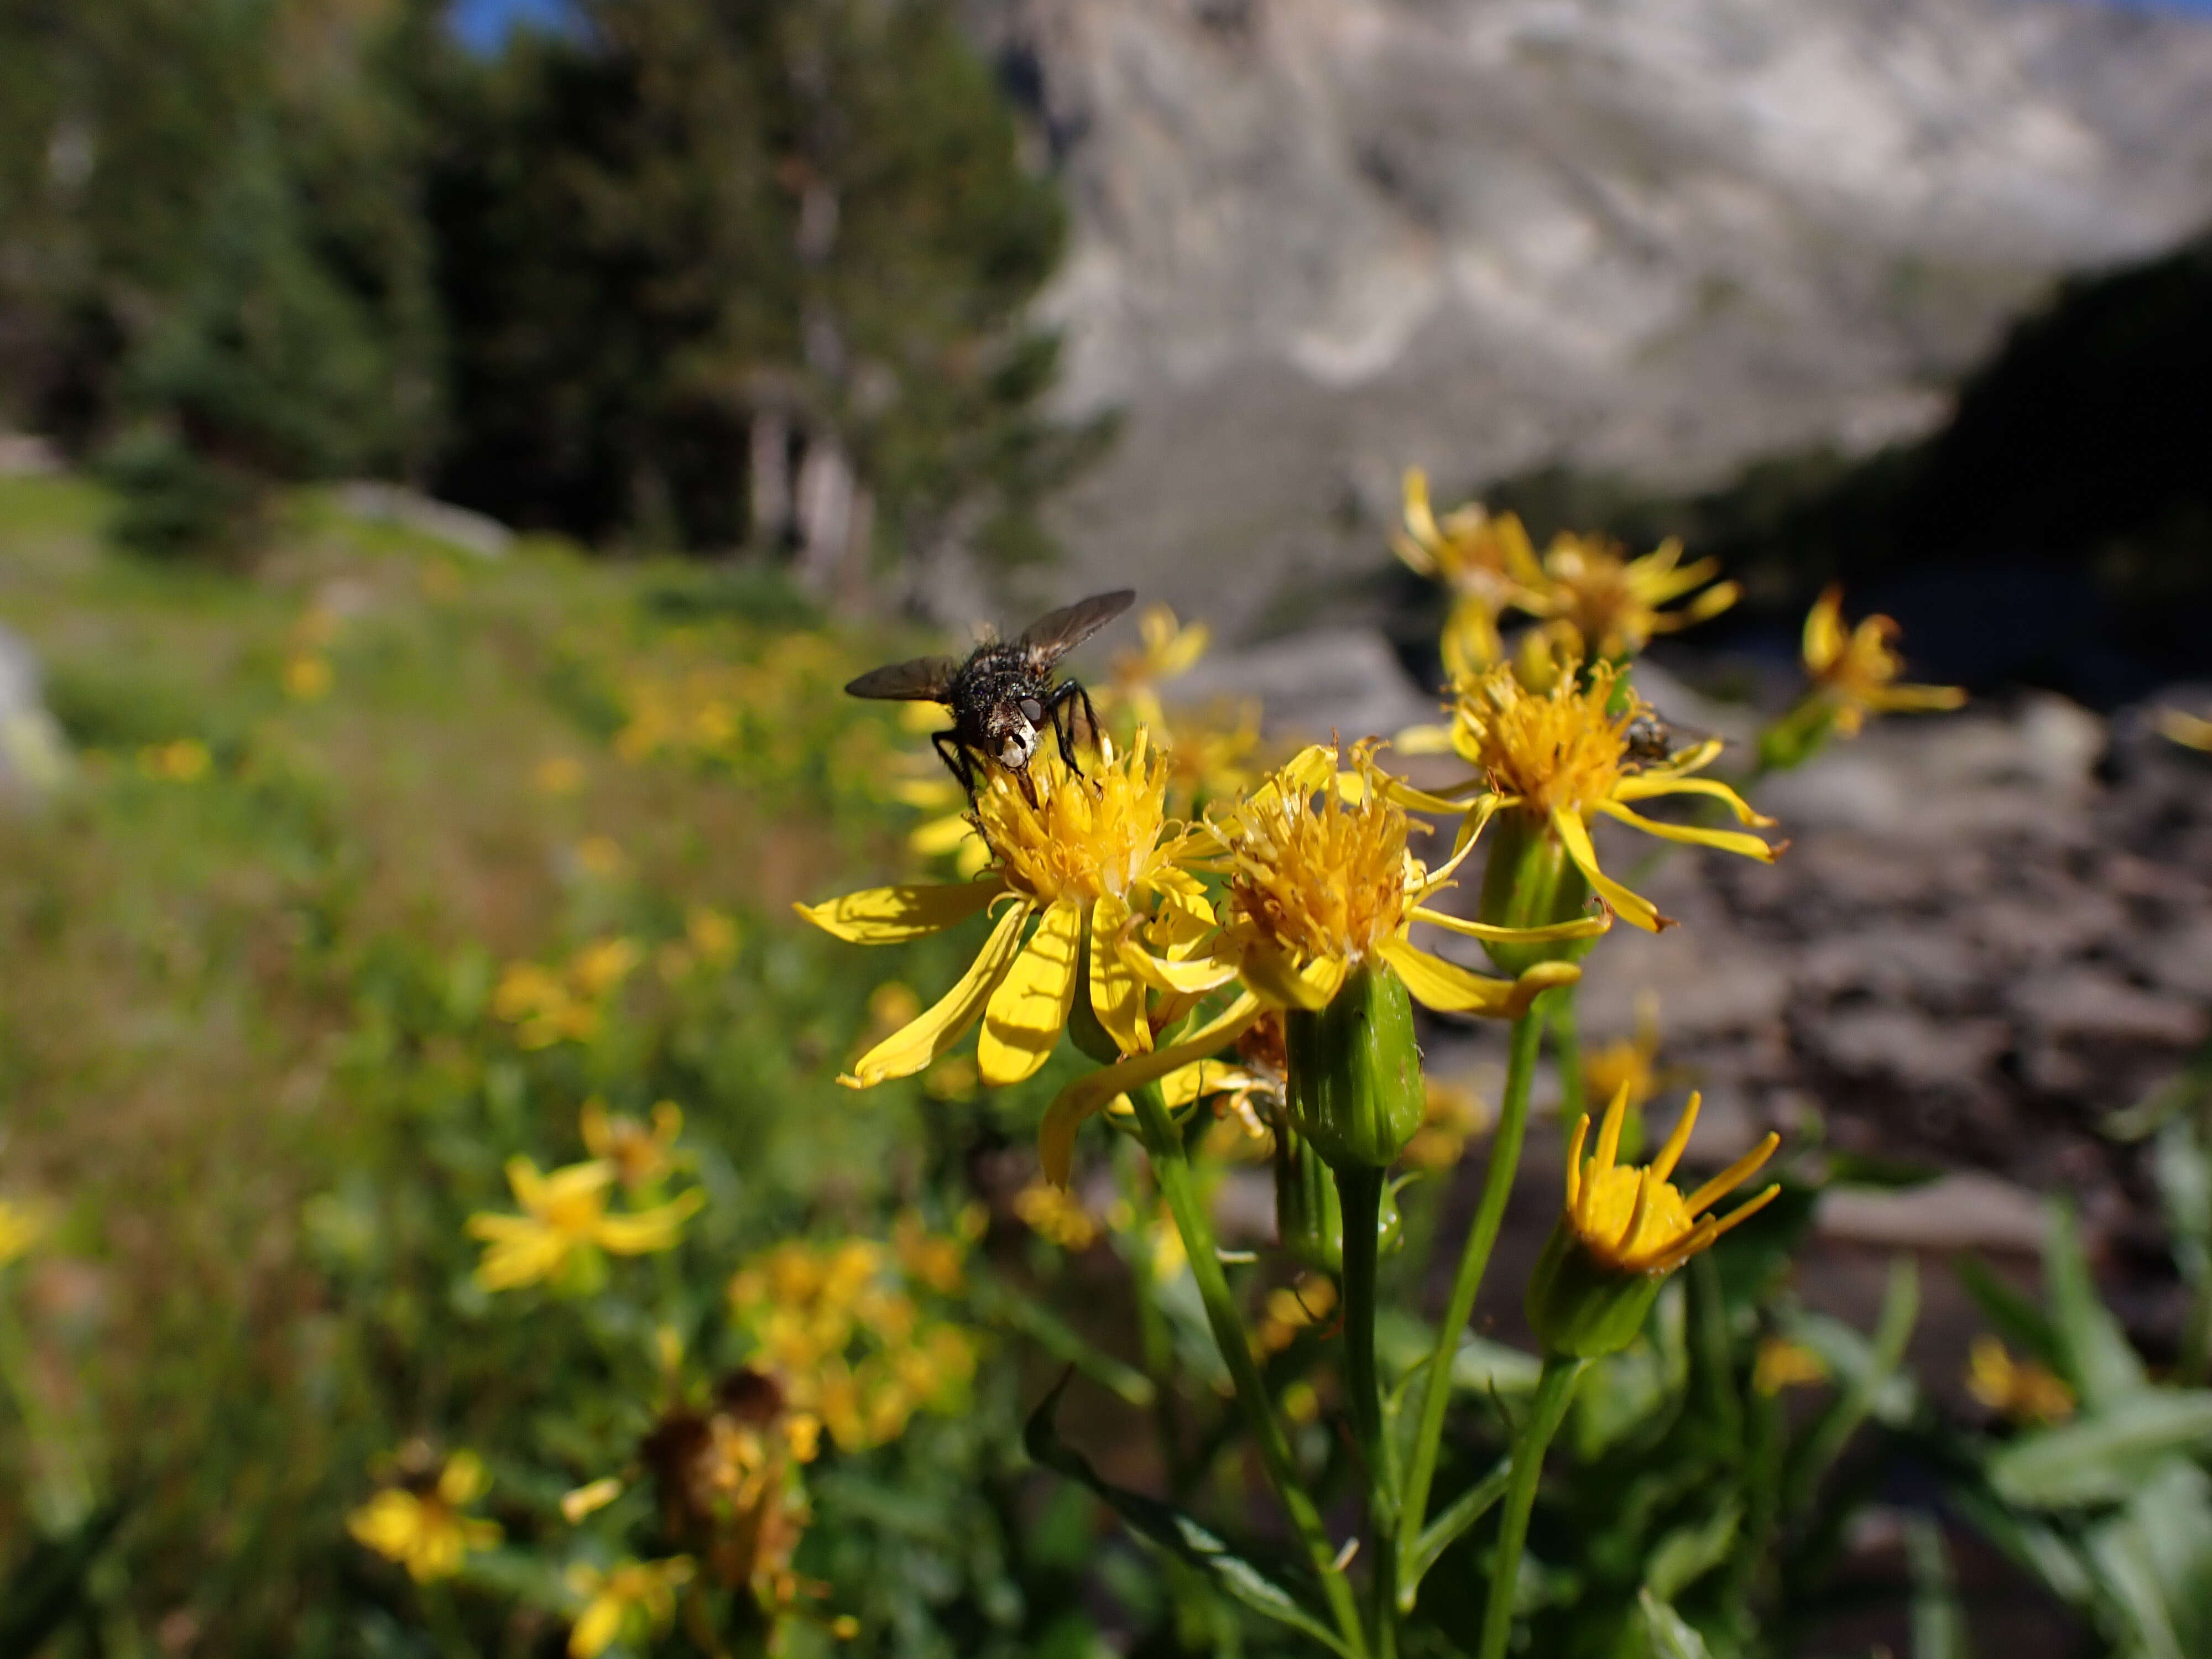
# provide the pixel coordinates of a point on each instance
(907, 1051)
(1178, 978)
(1205, 1077)
(1029, 1010)
(1276, 975)
(648, 1230)
(463, 1480)
(596, 1628)
(1451, 989)
(1117, 995)
(1586, 928)
(938, 836)
(1420, 519)
(1087, 1094)
(1634, 910)
(1912, 699)
(889, 916)
(1727, 841)
(1652, 785)
(1824, 630)
(1425, 740)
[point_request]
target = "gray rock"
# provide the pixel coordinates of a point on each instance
(1341, 679)
(456, 526)
(1970, 1211)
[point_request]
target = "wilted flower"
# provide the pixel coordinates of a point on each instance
(633, 1601)
(1613, 604)
(422, 1526)
(1082, 855)
(565, 1225)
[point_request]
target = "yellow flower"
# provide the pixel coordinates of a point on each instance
(1320, 881)
(1316, 889)
(186, 760)
(589, 1500)
(2019, 1389)
(712, 934)
(641, 1155)
(1635, 1221)
(566, 1222)
(1290, 1308)
(1486, 562)
(1055, 1215)
(20, 1229)
(1085, 857)
(426, 1531)
(601, 857)
(1783, 1363)
(1561, 757)
(1855, 672)
(306, 677)
(557, 776)
(1631, 1062)
(1170, 649)
(636, 1599)
(2184, 729)
(1615, 605)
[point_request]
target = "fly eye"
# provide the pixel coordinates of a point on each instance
(1032, 711)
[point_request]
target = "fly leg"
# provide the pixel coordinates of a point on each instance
(1066, 698)
(956, 759)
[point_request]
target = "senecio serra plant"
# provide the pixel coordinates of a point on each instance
(1204, 928)
(1271, 946)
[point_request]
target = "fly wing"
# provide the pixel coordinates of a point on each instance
(1051, 637)
(921, 679)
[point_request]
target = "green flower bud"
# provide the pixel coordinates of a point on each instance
(1798, 736)
(1355, 1071)
(1530, 882)
(1582, 1308)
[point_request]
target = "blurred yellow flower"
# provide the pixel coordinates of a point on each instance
(1635, 1221)
(589, 1500)
(1855, 671)
(426, 1531)
(1561, 757)
(565, 1224)
(547, 1007)
(1055, 1215)
(1629, 1063)
(1292, 1308)
(1783, 1363)
(2184, 729)
(1170, 649)
(306, 677)
(601, 857)
(2020, 1390)
(1613, 604)
(1081, 855)
(713, 933)
(1485, 561)
(1454, 1115)
(184, 760)
(22, 1227)
(641, 1155)
(557, 776)
(635, 1601)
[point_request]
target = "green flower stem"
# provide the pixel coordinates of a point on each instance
(1555, 1389)
(1489, 1215)
(1171, 1170)
(1567, 1046)
(1359, 1193)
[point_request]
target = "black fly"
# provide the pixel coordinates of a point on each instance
(1002, 696)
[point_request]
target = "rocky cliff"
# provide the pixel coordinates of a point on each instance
(1319, 238)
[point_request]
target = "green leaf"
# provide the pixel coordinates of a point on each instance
(2185, 1183)
(2154, 1562)
(1000, 1303)
(2093, 1354)
(1462, 1512)
(1176, 1534)
(1688, 1554)
(2105, 1457)
(1823, 1441)
(1939, 1623)
(1667, 1634)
